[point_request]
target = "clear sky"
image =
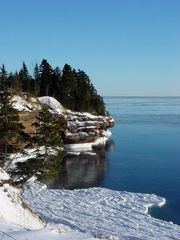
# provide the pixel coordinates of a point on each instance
(127, 47)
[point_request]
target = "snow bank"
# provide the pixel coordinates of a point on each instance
(12, 208)
(102, 212)
(53, 104)
(47, 233)
(17, 221)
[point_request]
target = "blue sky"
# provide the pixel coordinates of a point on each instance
(127, 47)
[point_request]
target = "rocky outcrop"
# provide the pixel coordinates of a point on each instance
(85, 127)
(79, 127)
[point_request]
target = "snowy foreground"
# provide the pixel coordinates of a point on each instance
(17, 221)
(103, 213)
(86, 214)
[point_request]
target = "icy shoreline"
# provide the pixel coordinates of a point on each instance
(102, 212)
(88, 147)
(82, 214)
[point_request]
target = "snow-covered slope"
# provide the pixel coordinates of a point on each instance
(11, 206)
(17, 221)
(102, 212)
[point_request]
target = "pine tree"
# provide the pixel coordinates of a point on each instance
(48, 132)
(36, 81)
(16, 83)
(25, 79)
(69, 86)
(56, 84)
(45, 77)
(10, 128)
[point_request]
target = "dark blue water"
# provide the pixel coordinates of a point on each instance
(143, 154)
(146, 155)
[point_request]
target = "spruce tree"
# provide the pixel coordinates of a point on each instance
(45, 77)
(10, 128)
(56, 84)
(48, 131)
(16, 83)
(69, 86)
(36, 81)
(25, 79)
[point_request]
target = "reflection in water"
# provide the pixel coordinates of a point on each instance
(82, 171)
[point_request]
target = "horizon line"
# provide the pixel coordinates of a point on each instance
(115, 96)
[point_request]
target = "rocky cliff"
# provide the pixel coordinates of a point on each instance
(81, 130)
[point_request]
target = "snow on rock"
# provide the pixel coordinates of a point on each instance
(85, 130)
(82, 128)
(3, 175)
(12, 209)
(86, 147)
(29, 153)
(101, 212)
(24, 104)
(54, 106)
(21, 104)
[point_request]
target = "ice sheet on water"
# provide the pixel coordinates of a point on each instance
(102, 212)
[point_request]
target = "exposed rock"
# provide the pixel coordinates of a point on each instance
(78, 127)
(85, 127)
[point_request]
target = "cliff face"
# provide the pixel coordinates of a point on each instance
(85, 127)
(79, 128)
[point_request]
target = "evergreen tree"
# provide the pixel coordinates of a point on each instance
(36, 81)
(25, 79)
(55, 84)
(72, 88)
(16, 83)
(48, 130)
(10, 128)
(45, 77)
(69, 86)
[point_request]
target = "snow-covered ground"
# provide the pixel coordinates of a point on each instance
(17, 221)
(102, 212)
(85, 214)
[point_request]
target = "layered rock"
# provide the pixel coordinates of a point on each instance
(80, 128)
(86, 128)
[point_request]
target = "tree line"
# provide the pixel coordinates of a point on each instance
(12, 135)
(72, 88)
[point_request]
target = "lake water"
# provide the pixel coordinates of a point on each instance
(143, 154)
(146, 156)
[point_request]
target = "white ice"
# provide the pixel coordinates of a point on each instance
(19, 222)
(102, 212)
